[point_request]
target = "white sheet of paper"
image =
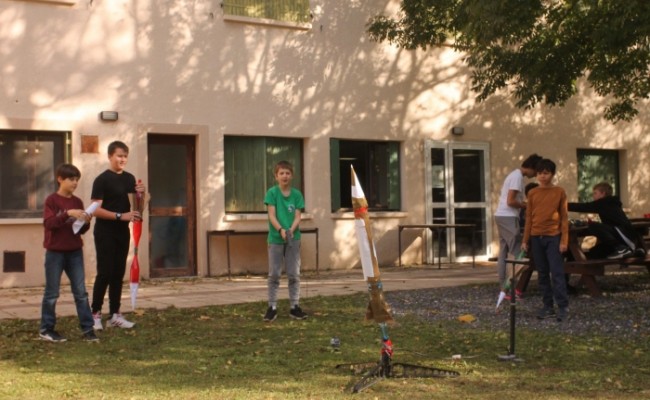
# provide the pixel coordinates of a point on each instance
(76, 226)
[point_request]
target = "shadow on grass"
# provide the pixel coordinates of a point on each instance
(229, 352)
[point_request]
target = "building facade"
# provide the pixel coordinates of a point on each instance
(208, 99)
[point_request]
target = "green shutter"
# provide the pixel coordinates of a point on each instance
(248, 169)
(279, 10)
(394, 188)
(284, 149)
(244, 172)
(335, 175)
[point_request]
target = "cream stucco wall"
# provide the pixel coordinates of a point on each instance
(177, 67)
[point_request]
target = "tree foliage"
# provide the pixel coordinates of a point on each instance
(536, 49)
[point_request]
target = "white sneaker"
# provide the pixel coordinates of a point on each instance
(97, 319)
(118, 321)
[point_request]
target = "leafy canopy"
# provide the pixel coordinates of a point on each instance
(537, 49)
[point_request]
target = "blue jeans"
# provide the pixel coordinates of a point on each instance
(550, 270)
(72, 263)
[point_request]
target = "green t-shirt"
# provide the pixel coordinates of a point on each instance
(285, 211)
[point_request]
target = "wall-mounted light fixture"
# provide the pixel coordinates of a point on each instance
(457, 130)
(108, 115)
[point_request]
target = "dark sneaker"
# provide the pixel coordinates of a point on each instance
(90, 336)
(620, 252)
(297, 313)
(271, 314)
(545, 313)
(52, 336)
(562, 314)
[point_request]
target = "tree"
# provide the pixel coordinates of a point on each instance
(536, 49)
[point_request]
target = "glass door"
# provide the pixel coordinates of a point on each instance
(172, 214)
(457, 180)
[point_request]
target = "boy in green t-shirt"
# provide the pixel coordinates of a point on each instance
(284, 205)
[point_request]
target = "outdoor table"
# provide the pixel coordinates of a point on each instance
(438, 228)
(231, 232)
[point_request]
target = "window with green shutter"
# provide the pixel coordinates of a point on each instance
(377, 167)
(287, 11)
(595, 166)
(248, 168)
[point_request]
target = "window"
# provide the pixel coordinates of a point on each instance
(28, 160)
(249, 163)
(292, 12)
(377, 167)
(596, 166)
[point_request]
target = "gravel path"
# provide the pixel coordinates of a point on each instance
(622, 312)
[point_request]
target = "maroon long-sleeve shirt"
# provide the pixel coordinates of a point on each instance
(58, 225)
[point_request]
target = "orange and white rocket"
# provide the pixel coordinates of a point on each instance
(378, 309)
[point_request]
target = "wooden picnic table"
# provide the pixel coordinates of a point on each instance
(587, 268)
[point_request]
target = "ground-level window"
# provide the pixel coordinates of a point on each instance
(377, 166)
(248, 169)
(28, 160)
(596, 166)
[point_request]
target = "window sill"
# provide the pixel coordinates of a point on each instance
(21, 221)
(256, 217)
(303, 26)
(372, 214)
(56, 2)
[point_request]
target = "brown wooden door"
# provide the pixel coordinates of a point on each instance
(172, 208)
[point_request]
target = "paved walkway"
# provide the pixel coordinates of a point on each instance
(25, 303)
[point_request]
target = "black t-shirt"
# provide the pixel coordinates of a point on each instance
(113, 189)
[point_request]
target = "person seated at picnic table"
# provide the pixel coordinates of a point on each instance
(615, 235)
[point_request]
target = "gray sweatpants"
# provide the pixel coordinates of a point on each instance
(290, 256)
(509, 243)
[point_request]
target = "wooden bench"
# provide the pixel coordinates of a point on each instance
(587, 269)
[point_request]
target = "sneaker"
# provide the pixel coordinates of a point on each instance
(545, 312)
(97, 318)
(90, 336)
(620, 252)
(271, 314)
(562, 314)
(51, 335)
(118, 321)
(297, 313)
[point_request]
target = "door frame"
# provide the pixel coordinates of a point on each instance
(190, 210)
(448, 205)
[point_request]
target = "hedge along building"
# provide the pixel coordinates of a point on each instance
(208, 101)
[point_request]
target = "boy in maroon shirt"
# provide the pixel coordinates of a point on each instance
(63, 253)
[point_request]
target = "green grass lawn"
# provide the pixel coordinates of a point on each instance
(228, 352)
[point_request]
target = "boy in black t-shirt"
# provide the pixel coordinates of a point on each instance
(112, 234)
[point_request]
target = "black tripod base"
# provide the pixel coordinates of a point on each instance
(509, 357)
(373, 372)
